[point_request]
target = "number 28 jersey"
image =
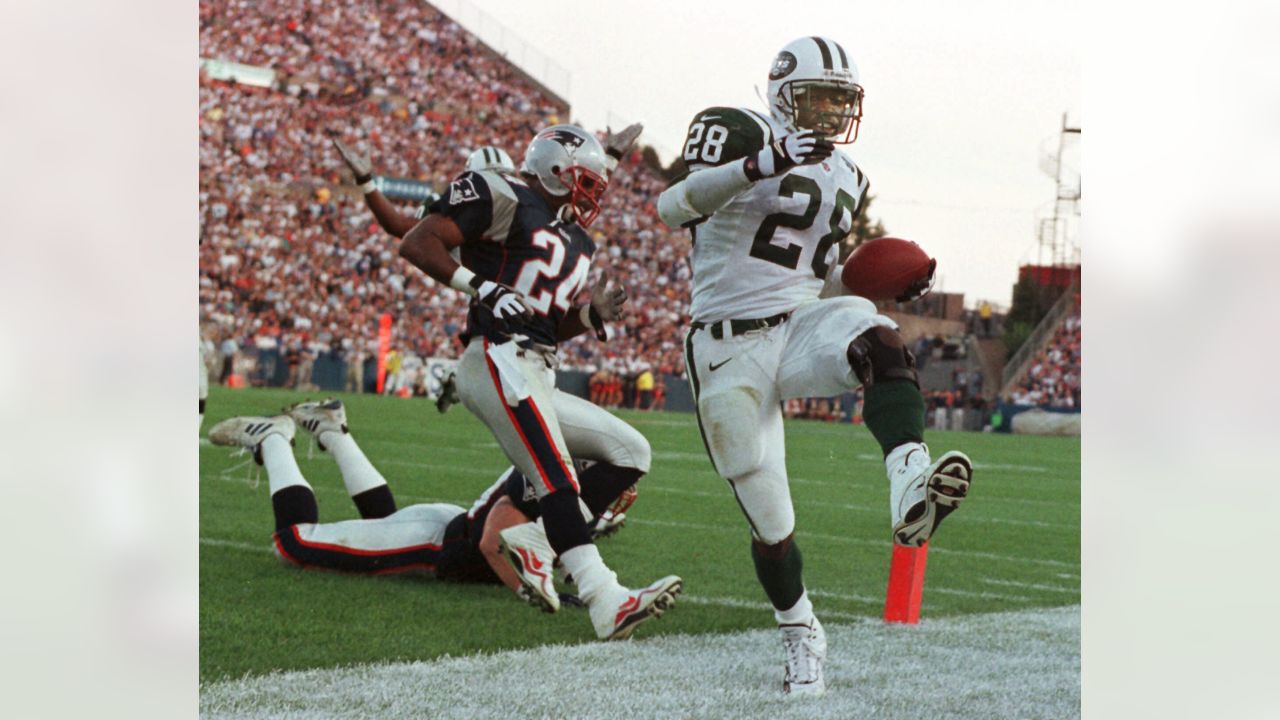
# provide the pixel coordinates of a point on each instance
(511, 236)
(770, 248)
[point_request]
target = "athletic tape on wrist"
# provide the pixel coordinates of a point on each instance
(461, 281)
(370, 186)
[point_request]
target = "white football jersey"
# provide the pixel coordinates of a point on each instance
(771, 247)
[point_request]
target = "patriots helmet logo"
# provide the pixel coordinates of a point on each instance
(564, 137)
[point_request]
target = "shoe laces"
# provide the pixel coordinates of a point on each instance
(802, 659)
(254, 477)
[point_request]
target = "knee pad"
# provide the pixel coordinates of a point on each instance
(879, 354)
(730, 429)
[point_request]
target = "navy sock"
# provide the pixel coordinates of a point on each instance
(562, 517)
(375, 502)
(294, 504)
(602, 483)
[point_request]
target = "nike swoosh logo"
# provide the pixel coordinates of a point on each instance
(709, 117)
(714, 367)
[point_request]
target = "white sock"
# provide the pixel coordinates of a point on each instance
(896, 456)
(799, 614)
(358, 474)
(593, 577)
(904, 464)
(282, 469)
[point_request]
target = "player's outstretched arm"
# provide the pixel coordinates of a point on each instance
(727, 152)
(502, 516)
(387, 215)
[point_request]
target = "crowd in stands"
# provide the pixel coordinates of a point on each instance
(1053, 379)
(294, 268)
(646, 390)
(293, 265)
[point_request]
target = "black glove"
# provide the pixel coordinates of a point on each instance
(502, 300)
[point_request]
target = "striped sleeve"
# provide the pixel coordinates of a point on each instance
(721, 135)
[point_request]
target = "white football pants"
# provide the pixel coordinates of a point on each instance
(739, 383)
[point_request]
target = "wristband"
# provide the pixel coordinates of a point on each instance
(584, 314)
(369, 186)
(461, 281)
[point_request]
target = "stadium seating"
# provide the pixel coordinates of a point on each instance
(290, 256)
(1053, 377)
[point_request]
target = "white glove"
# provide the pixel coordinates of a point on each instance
(361, 165)
(616, 146)
(606, 306)
(805, 147)
(608, 301)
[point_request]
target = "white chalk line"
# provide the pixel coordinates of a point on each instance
(1023, 664)
(862, 541)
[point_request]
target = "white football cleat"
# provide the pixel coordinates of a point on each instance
(615, 516)
(616, 618)
(526, 548)
(317, 417)
(806, 647)
(923, 495)
(249, 432)
(607, 524)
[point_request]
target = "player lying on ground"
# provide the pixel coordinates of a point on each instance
(767, 199)
(441, 540)
(525, 260)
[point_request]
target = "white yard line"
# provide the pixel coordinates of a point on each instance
(1032, 586)
(983, 595)
(860, 541)
(235, 545)
(326, 490)
(1023, 664)
(800, 502)
(765, 607)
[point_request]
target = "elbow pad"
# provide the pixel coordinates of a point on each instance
(702, 193)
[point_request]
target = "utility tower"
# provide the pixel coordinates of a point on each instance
(1057, 232)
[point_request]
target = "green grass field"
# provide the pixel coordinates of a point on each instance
(1014, 545)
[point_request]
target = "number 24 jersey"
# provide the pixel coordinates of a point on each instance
(771, 247)
(511, 236)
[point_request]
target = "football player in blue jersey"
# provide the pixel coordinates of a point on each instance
(524, 259)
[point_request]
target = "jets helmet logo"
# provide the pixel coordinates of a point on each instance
(782, 65)
(462, 190)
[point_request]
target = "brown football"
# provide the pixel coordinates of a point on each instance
(886, 268)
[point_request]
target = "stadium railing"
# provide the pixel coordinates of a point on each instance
(1021, 360)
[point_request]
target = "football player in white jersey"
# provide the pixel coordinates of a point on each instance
(767, 199)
